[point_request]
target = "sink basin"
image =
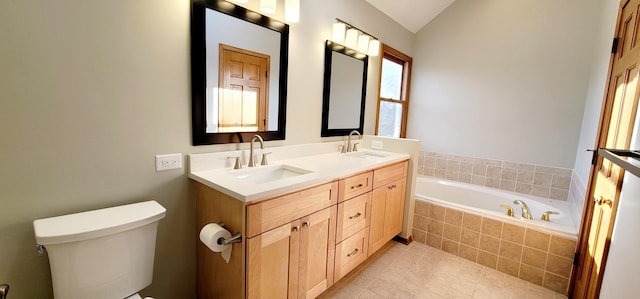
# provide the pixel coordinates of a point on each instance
(367, 155)
(265, 174)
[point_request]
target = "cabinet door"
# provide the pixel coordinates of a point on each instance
(272, 262)
(394, 209)
(387, 211)
(317, 241)
(376, 226)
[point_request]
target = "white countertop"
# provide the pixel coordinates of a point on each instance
(321, 168)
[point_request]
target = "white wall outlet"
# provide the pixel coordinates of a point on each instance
(167, 162)
(376, 144)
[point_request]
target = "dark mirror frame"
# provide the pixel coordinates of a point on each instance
(199, 71)
(331, 47)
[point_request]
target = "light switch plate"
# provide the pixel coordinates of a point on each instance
(167, 162)
(376, 144)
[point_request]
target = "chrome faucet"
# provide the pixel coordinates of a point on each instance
(526, 213)
(252, 161)
(349, 149)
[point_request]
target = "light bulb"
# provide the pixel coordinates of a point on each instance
(292, 11)
(374, 47)
(351, 40)
(268, 6)
(338, 32)
(363, 43)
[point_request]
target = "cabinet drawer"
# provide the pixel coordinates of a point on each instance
(388, 174)
(350, 253)
(275, 212)
(353, 216)
(355, 185)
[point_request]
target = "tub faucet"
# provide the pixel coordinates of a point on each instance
(252, 161)
(349, 149)
(526, 213)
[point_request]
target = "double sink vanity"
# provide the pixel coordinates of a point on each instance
(307, 219)
(313, 214)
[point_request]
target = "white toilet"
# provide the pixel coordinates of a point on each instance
(101, 254)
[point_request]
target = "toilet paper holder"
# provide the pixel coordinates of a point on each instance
(235, 238)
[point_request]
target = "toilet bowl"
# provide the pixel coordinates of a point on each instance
(101, 254)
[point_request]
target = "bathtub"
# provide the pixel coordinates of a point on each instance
(485, 201)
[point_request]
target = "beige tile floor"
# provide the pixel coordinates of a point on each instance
(419, 271)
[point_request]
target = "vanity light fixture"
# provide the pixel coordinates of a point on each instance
(354, 38)
(268, 6)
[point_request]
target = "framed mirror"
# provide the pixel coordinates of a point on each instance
(344, 92)
(239, 63)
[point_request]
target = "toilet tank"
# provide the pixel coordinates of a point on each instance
(106, 253)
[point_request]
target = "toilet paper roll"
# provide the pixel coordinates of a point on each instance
(210, 234)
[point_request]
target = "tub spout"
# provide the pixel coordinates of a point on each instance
(526, 213)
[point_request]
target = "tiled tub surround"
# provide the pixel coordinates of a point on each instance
(577, 195)
(538, 257)
(543, 181)
(490, 202)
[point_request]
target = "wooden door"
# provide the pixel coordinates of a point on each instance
(243, 90)
(394, 209)
(317, 246)
(272, 263)
(615, 131)
(376, 226)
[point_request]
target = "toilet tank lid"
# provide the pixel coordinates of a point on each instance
(96, 223)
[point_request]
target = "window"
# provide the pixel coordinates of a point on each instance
(393, 96)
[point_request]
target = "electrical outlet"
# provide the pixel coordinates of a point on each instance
(376, 144)
(167, 162)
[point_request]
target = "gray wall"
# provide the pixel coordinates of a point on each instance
(91, 91)
(503, 79)
(606, 21)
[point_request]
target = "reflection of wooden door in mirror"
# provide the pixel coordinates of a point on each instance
(243, 90)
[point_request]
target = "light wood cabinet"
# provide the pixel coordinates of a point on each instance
(353, 216)
(277, 211)
(294, 260)
(272, 262)
(355, 185)
(387, 205)
(296, 245)
(354, 209)
(317, 253)
(350, 253)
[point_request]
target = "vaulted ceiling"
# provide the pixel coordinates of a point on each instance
(411, 14)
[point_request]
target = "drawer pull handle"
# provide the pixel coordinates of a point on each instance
(353, 252)
(357, 186)
(307, 223)
(296, 228)
(392, 187)
(355, 216)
